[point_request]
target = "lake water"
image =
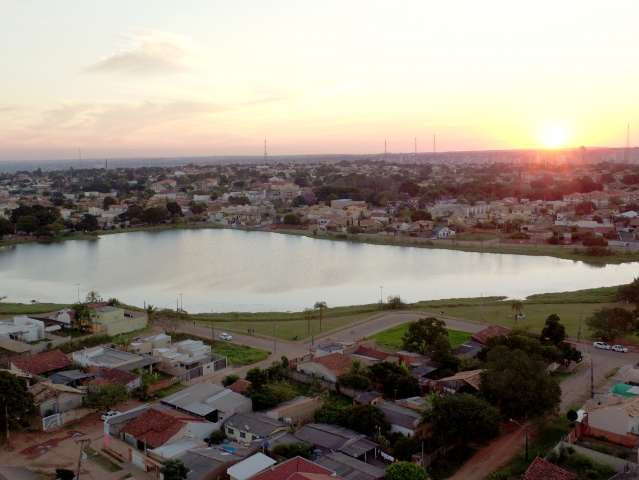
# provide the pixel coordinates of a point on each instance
(232, 270)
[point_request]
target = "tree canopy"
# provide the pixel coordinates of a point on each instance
(17, 399)
(174, 470)
(405, 471)
(553, 332)
(611, 323)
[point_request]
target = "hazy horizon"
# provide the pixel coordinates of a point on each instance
(122, 80)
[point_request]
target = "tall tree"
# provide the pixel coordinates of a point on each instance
(321, 308)
(611, 323)
(174, 470)
(518, 383)
(16, 402)
(405, 471)
(422, 335)
(630, 293)
(553, 332)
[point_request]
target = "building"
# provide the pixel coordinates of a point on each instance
(209, 401)
(115, 376)
(71, 378)
(492, 331)
(401, 419)
(249, 467)
(107, 357)
(116, 320)
(289, 469)
(207, 463)
(614, 418)
(252, 427)
(23, 329)
(328, 367)
(44, 363)
(348, 467)
(541, 469)
(327, 438)
(51, 398)
(468, 381)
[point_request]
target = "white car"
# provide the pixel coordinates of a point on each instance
(619, 348)
(109, 414)
(227, 337)
(601, 345)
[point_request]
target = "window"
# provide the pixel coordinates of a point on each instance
(230, 431)
(242, 435)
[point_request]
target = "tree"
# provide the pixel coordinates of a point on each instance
(16, 401)
(107, 396)
(230, 379)
(154, 215)
(88, 223)
(611, 323)
(630, 293)
(107, 202)
(292, 219)
(174, 209)
(6, 227)
(518, 383)
(405, 471)
(174, 470)
(356, 377)
(27, 224)
(93, 297)
(321, 308)
(451, 415)
(553, 332)
(394, 302)
(291, 450)
(518, 309)
(393, 380)
(422, 335)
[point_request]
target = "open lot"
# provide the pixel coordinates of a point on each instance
(391, 339)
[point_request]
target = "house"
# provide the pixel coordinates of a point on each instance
(249, 467)
(23, 329)
(252, 427)
(369, 356)
(492, 331)
(468, 381)
(401, 419)
(107, 357)
(541, 469)
(71, 378)
(370, 397)
(443, 233)
(326, 438)
(115, 320)
(44, 363)
(208, 463)
(350, 468)
(297, 411)
(240, 386)
(329, 367)
(51, 398)
(327, 348)
(614, 418)
(209, 401)
(127, 379)
(296, 468)
(469, 349)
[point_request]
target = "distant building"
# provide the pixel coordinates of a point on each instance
(116, 320)
(44, 363)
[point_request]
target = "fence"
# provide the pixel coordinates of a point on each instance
(618, 464)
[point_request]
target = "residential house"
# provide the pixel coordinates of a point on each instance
(444, 233)
(249, 467)
(369, 356)
(328, 367)
(615, 418)
(327, 348)
(115, 320)
(240, 386)
(107, 357)
(211, 463)
(327, 438)
(348, 467)
(44, 363)
(104, 376)
(541, 469)
(489, 332)
(23, 329)
(71, 378)
(252, 427)
(296, 468)
(468, 381)
(51, 398)
(210, 401)
(401, 419)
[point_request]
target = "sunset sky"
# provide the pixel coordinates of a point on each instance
(164, 78)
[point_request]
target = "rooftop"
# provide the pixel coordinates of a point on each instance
(245, 469)
(290, 468)
(541, 469)
(42, 362)
(153, 427)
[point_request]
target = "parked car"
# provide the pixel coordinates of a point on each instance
(601, 345)
(109, 414)
(227, 337)
(619, 348)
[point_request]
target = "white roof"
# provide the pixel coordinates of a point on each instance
(250, 466)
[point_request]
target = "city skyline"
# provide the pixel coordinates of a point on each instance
(121, 80)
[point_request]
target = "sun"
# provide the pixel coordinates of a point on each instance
(554, 135)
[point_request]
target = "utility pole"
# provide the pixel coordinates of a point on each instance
(274, 339)
(81, 442)
(381, 294)
(6, 419)
(265, 152)
(592, 377)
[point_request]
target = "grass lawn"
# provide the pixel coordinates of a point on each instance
(24, 308)
(236, 354)
(165, 392)
(392, 338)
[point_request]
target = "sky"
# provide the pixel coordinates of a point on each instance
(123, 78)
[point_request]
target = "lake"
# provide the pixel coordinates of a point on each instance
(234, 270)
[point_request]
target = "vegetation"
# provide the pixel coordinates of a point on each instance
(366, 419)
(451, 415)
(106, 396)
(16, 401)
(230, 379)
(429, 337)
(393, 338)
(174, 470)
(405, 471)
(235, 354)
(581, 465)
(291, 450)
(393, 380)
(612, 323)
(356, 377)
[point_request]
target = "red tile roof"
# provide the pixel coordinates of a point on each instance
(313, 476)
(42, 362)
(541, 469)
(371, 352)
(489, 332)
(240, 385)
(114, 375)
(288, 469)
(153, 427)
(337, 363)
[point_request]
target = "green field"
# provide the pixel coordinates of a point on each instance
(236, 354)
(26, 308)
(391, 339)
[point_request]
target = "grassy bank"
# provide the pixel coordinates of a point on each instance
(391, 339)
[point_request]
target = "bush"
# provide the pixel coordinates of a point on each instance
(291, 450)
(216, 437)
(107, 396)
(230, 379)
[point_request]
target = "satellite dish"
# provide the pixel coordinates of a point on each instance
(572, 415)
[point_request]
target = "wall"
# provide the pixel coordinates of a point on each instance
(619, 464)
(628, 440)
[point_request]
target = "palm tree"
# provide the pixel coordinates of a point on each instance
(321, 307)
(517, 307)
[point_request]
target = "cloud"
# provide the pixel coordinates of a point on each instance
(150, 53)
